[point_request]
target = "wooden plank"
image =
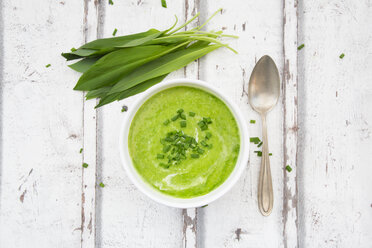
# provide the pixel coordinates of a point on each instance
(335, 99)
(234, 220)
(190, 216)
(290, 127)
(125, 216)
(89, 183)
(41, 125)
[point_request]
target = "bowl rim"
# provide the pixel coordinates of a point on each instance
(155, 194)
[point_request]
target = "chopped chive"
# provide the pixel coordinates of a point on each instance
(183, 116)
(195, 155)
(111, 2)
(81, 150)
(176, 144)
(255, 140)
(166, 166)
(207, 120)
(48, 65)
(288, 168)
(166, 149)
(208, 135)
(180, 111)
(259, 153)
(115, 31)
(124, 108)
(73, 49)
(200, 151)
(270, 154)
(300, 46)
(101, 184)
(192, 114)
(259, 145)
(174, 118)
(85, 165)
(163, 3)
(253, 121)
(342, 56)
(166, 122)
(204, 206)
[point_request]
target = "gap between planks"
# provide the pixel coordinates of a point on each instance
(89, 175)
(190, 216)
(290, 128)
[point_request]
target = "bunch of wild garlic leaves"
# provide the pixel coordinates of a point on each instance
(119, 67)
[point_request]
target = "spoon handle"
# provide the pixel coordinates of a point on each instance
(265, 185)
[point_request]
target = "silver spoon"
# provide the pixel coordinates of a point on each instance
(263, 94)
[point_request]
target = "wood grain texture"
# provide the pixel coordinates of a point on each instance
(335, 124)
(234, 219)
(190, 216)
(125, 216)
(290, 127)
(89, 175)
(321, 127)
(41, 126)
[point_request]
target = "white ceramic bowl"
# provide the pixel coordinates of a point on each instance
(167, 199)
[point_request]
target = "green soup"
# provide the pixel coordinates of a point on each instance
(184, 142)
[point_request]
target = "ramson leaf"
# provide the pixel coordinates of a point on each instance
(161, 66)
(111, 68)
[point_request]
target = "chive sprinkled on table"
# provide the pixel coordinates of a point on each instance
(255, 140)
(124, 108)
(48, 65)
(342, 56)
(288, 168)
(81, 150)
(115, 31)
(85, 165)
(259, 153)
(73, 49)
(300, 46)
(252, 121)
(101, 184)
(163, 3)
(111, 2)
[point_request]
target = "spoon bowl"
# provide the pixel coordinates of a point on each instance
(264, 85)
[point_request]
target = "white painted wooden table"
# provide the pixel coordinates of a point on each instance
(321, 127)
